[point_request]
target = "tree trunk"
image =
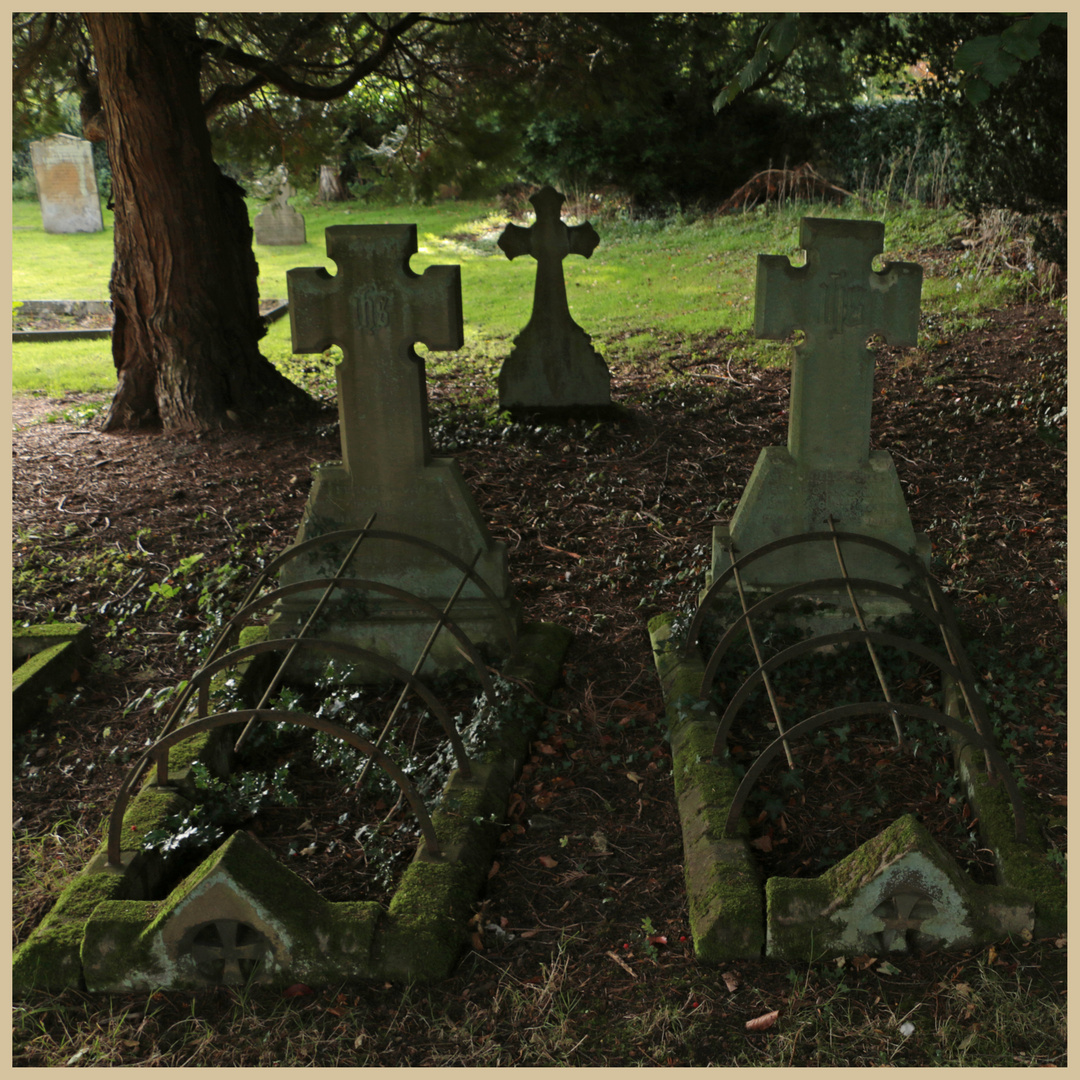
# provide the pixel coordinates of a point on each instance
(184, 279)
(331, 189)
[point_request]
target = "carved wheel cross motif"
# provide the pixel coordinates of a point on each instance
(227, 952)
(903, 914)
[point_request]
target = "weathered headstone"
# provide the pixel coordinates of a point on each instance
(66, 184)
(277, 224)
(376, 309)
(552, 365)
(827, 468)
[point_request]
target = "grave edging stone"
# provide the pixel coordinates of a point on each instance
(1021, 866)
(727, 910)
(418, 938)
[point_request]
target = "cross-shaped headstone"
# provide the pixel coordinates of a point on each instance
(549, 240)
(553, 364)
(376, 309)
(838, 301)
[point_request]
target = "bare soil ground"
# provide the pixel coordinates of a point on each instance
(606, 525)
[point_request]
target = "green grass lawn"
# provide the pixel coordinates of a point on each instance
(647, 282)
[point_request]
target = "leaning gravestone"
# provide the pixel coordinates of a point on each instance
(278, 224)
(66, 185)
(827, 468)
(553, 365)
(375, 309)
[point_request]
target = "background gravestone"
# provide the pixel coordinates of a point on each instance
(277, 224)
(827, 467)
(375, 308)
(552, 365)
(66, 185)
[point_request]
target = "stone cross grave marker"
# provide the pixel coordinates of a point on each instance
(838, 301)
(376, 309)
(277, 224)
(553, 365)
(66, 184)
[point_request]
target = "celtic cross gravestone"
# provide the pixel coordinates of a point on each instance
(553, 365)
(376, 309)
(827, 469)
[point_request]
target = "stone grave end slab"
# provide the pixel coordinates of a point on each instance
(899, 892)
(827, 468)
(66, 184)
(240, 918)
(376, 309)
(277, 224)
(553, 366)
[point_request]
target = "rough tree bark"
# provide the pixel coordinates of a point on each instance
(184, 280)
(331, 189)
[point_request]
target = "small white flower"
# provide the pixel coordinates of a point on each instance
(907, 1028)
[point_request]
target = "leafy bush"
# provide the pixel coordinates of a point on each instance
(675, 152)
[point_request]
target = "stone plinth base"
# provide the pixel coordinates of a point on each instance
(554, 370)
(782, 501)
(438, 508)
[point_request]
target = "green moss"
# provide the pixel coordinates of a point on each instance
(147, 811)
(49, 959)
(1023, 866)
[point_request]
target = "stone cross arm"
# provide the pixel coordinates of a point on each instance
(837, 294)
(549, 236)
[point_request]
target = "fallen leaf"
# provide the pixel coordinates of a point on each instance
(888, 969)
(634, 777)
(763, 1023)
(658, 939)
(494, 870)
(762, 843)
(297, 990)
(548, 861)
(731, 981)
(622, 963)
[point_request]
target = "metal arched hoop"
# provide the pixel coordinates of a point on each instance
(775, 599)
(232, 628)
(346, 651)
(884, 708)
(160, 750)
(812, 644)
(341, 536)
(912, 562)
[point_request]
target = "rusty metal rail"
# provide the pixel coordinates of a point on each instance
(930, 605)
(219, 659)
